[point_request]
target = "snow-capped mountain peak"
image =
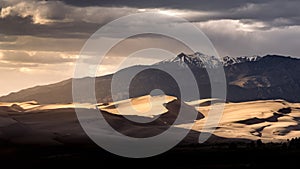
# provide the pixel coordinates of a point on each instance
(201, 60)
(231, 60)
(197, 59)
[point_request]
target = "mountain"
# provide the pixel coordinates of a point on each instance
(227, 61)
(205, 61)
(197, 59)
(248, 78)
(271, 77)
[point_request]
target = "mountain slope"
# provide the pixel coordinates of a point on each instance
(272, 77)
(253, 78)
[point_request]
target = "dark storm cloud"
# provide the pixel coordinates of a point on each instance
(206, 5)
(78, 19)
(54, 19)
(274, 13)
(66, 18)
(271, 13)
(15, 25)
(242, 43)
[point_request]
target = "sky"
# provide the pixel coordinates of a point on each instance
(41, 40)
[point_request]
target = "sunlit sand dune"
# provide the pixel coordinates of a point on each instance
(270, 120)
(147, 106)
(57, 124)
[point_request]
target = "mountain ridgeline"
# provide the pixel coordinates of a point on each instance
(247, 78)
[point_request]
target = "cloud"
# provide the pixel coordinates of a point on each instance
(48, 12)
(18, 26)
(47, 44)
(79, 19)
(24, 59)
(41, 12)
(273, 12)
(203, 5)
(233, 38)
(12, 65)
(65, 25)
(54, 18)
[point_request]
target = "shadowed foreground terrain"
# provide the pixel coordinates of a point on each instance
(192, 156)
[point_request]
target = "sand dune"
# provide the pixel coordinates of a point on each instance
(270, 120)
(147, 106)
(57, 124)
